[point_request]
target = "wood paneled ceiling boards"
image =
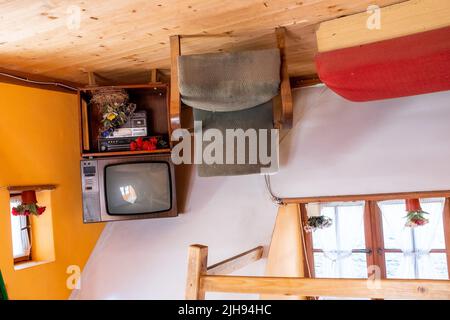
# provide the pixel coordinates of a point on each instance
(123, 40)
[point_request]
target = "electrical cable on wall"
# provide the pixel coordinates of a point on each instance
(273, 197)
(58, 84)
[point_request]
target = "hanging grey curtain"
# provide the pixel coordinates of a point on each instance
(231, 91)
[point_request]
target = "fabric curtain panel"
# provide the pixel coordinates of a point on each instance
(20, 235)
(24, 235)
(337, 244)
(415, 259)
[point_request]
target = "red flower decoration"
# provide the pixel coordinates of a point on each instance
(154, 140)
(140, 144)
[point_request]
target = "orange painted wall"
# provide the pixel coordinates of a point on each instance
(39, 145)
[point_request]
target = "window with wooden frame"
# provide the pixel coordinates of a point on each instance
(369, 235)
(21, 233)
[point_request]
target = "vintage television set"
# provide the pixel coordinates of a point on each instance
(131, 187)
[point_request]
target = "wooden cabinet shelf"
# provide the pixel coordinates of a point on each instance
(153, 98)
(124, 153)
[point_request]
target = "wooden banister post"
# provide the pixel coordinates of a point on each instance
(197, 267)
(285, 87)
(175, 100)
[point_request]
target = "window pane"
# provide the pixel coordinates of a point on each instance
(431, 235)
(400, 266)
(354, 265)
(324, 238)
(16, 230)
(432, 266)
(429, 266)
(347, 231)
(351, 226)
(396, 235)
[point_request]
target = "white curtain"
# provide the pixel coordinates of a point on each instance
(337, 243)
(425, 240)
(20, 237)
(415, 243)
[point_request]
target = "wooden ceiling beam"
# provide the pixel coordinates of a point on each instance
(397, 20)
(121, 40)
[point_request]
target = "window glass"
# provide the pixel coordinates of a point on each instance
(437, 264)
(431, 234)
(395, 234)
(347, 230)
(20, 239)
(410, 253)
(335, 248)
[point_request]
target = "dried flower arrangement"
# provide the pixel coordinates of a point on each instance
(115, 108)
(317, 222)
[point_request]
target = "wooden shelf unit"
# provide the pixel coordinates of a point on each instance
(153, 98)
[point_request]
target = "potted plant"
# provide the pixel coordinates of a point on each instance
(28, 205)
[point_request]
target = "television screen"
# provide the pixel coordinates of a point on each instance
(137, 188)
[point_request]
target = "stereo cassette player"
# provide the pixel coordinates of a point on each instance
(136, 126)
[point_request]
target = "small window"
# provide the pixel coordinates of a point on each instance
(21, 233)
(32, 236)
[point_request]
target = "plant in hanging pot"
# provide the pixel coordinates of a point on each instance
(317, 222)
(415, 215)
(28, 206)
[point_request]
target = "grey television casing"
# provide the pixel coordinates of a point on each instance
(94, 190)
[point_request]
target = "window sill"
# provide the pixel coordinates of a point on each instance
(29, 264)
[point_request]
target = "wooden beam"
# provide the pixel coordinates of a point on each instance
(237, 262)
(197, 263)
(285, 86)
(154, 75)
(83, 124)
(91, 79)
(285, 258)
(96, 80)
(175, 99)
(358, 288)
(308, 240)
(373, 228)
(40, 187)
(304, 81)
(367, 197)
(397, 20)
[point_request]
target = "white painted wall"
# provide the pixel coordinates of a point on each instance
(341, 147)
(335, 147)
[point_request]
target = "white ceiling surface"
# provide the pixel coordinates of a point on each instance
(335, 147)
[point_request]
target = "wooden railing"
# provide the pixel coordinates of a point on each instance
(202, 279)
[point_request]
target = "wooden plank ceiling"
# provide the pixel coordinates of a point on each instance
(123, 40)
